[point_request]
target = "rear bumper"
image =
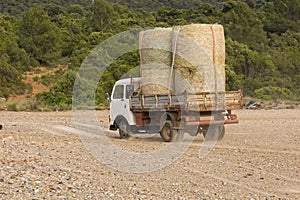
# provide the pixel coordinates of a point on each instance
(231, 119)
(211, 122)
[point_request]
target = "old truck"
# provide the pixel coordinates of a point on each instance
(171, 115)
(181, 88)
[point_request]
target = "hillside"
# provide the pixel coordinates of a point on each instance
(40, 80)
(262, 42)
(157, 4)
(17, 7)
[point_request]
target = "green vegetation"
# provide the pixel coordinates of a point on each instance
(154, 5)
(12, 107)
(262, 42)
(17, 7)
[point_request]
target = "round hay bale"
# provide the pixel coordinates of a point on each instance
(155, 58)
(156, 46)
(200, 56)
(155, 79)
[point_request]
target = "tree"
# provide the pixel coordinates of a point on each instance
(13, 60)
(9, 48)
(257, 69)
(242, 24)
(10, 80)
(39, 36)
(61, 93)
(75, 30)
(103, 15)
(289, 9)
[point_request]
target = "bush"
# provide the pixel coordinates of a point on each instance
(48, 79)
(250, 86)
(35, 79)
(12, 107)
(274, 93)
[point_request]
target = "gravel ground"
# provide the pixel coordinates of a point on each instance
(43, 157)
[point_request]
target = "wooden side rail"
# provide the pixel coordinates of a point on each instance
(204, 101)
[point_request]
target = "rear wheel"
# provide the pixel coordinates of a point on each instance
(167, 133)
(122, 124)
(214, 132)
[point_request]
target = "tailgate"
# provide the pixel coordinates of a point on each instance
(206, 101)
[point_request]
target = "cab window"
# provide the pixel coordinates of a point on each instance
(127, 91)
(119, 92)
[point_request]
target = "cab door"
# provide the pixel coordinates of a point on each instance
(127, 112)
(117, 102)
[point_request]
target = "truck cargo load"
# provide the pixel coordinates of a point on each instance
(175, 59)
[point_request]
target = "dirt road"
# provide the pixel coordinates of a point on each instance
(43, 157)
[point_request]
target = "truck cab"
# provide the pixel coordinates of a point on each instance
(121, 117)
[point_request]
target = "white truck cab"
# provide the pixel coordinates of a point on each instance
(120, 113)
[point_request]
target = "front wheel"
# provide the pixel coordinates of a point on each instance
(167, 132)
(122, 124)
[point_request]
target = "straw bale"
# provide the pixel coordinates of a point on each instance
(156, 47)
(156, 58)
(155, 79)
(199, 51)
(197, 58)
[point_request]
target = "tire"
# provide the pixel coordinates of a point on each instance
(167, 132)
(214, 132)
(122, 125)
(192, 130)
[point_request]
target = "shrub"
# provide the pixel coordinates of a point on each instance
(12, 107)
(274, 93)
(35, 79)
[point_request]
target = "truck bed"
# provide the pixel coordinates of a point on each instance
(204, 101)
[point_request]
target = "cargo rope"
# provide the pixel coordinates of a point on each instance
(141, 57)
(215, 67)
(173, 59)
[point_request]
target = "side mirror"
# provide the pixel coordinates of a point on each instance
(107, 97)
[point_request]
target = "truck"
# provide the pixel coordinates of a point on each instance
(180, 88)
(171, 115)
